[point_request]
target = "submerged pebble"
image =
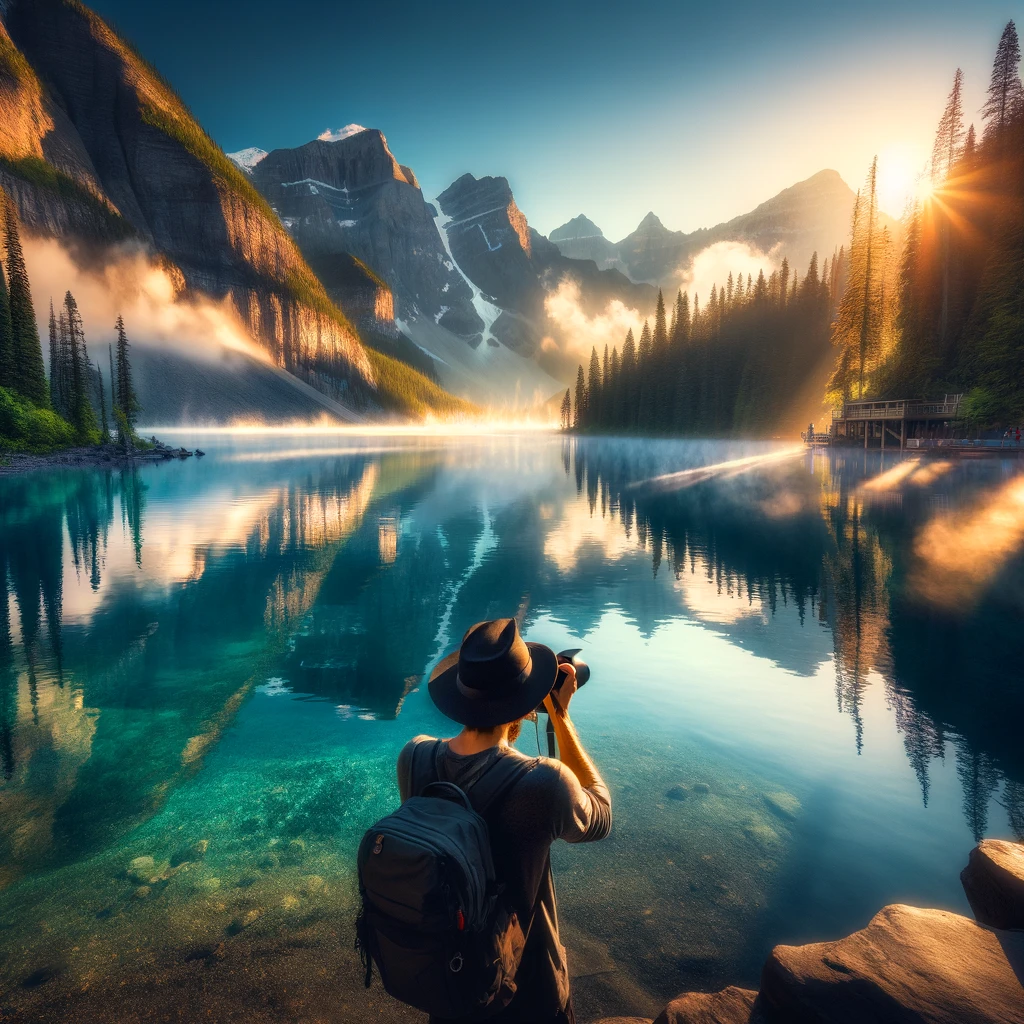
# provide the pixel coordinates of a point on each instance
(242, 921)
(294, 852)
(142, 892)
(678, 792)
(313, 884)
(146, 871)
(783, 805)
(188, 854)
(701, 788)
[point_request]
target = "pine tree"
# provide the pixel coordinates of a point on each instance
(113, 383)
(6, 333)
(970, 148)
(579, 421)
(628, 390)
(80, 413)
(1004, 90)
(127, 402)
(613, 392)
(859, 327)
(606, 384)
(594, 390)
(55, 365)
(949, 138)
(104, 425)
(28, 376)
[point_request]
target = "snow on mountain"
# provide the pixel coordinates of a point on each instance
(248, 158)
(337, 134)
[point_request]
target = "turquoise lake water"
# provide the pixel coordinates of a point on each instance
(214, 663)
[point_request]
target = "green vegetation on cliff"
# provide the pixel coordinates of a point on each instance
(402, 389)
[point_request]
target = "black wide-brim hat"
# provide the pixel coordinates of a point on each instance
(495, 677)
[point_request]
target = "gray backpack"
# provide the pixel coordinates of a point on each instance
(433, 918)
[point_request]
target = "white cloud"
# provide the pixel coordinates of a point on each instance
(582, 332)
(337, 134)
(713, 265)
(130, 282)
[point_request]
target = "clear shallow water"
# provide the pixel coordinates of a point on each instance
(823, 651)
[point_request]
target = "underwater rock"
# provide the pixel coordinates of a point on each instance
(783, 805)
(701, 789)
(242, 921)
(146, 871)
(730, 1006)
(41, 975)
(294, 852)
(141, 892)
(994, 883)
(678, 792)
(907, 965)
(209, 884)
(313, 884)
(763, 835)
(250, 878)
(190, 854)
(269, 862)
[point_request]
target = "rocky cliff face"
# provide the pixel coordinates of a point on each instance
(516, 268)
(96, 147)
(351, 198)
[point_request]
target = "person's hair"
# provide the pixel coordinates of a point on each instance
(514, 728)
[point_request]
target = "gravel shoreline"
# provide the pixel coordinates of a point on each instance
(100, 456)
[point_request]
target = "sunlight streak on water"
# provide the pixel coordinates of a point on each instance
(731, 467)
(961, 555)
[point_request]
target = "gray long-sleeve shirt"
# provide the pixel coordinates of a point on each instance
(546, 804)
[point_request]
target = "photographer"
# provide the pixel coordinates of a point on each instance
(489, 686)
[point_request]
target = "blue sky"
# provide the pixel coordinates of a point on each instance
(697, 112)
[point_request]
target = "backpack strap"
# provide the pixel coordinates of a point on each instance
(496, 781)
(425, 766)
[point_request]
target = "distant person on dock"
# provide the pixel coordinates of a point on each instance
(489, 686)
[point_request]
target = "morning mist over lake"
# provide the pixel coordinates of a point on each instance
(511, 514)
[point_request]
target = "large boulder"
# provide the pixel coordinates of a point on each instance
(730, 1006)
(908, 966)
(994, 883)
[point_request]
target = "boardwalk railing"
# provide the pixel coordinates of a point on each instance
(948, 408)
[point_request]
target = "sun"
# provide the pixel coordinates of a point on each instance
(902, 179)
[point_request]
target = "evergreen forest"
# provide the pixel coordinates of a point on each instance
(938, 311)
(40, 413)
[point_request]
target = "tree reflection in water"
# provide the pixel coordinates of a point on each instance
(813, 534)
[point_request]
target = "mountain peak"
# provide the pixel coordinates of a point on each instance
(650, 222)
(247, 158)
(578, 227)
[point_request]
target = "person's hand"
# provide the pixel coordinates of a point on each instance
(562, 693)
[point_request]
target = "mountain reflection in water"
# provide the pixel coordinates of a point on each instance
(820, 653)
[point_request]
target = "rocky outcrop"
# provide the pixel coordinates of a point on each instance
(516, 268)
(102, 148)
(581, 239)
(730, 1006)
(994, 883)
(908, 966)
(351, 198)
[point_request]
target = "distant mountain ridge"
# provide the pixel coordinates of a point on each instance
(811, 216)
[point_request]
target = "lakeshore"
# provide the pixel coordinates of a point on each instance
(803, 708)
